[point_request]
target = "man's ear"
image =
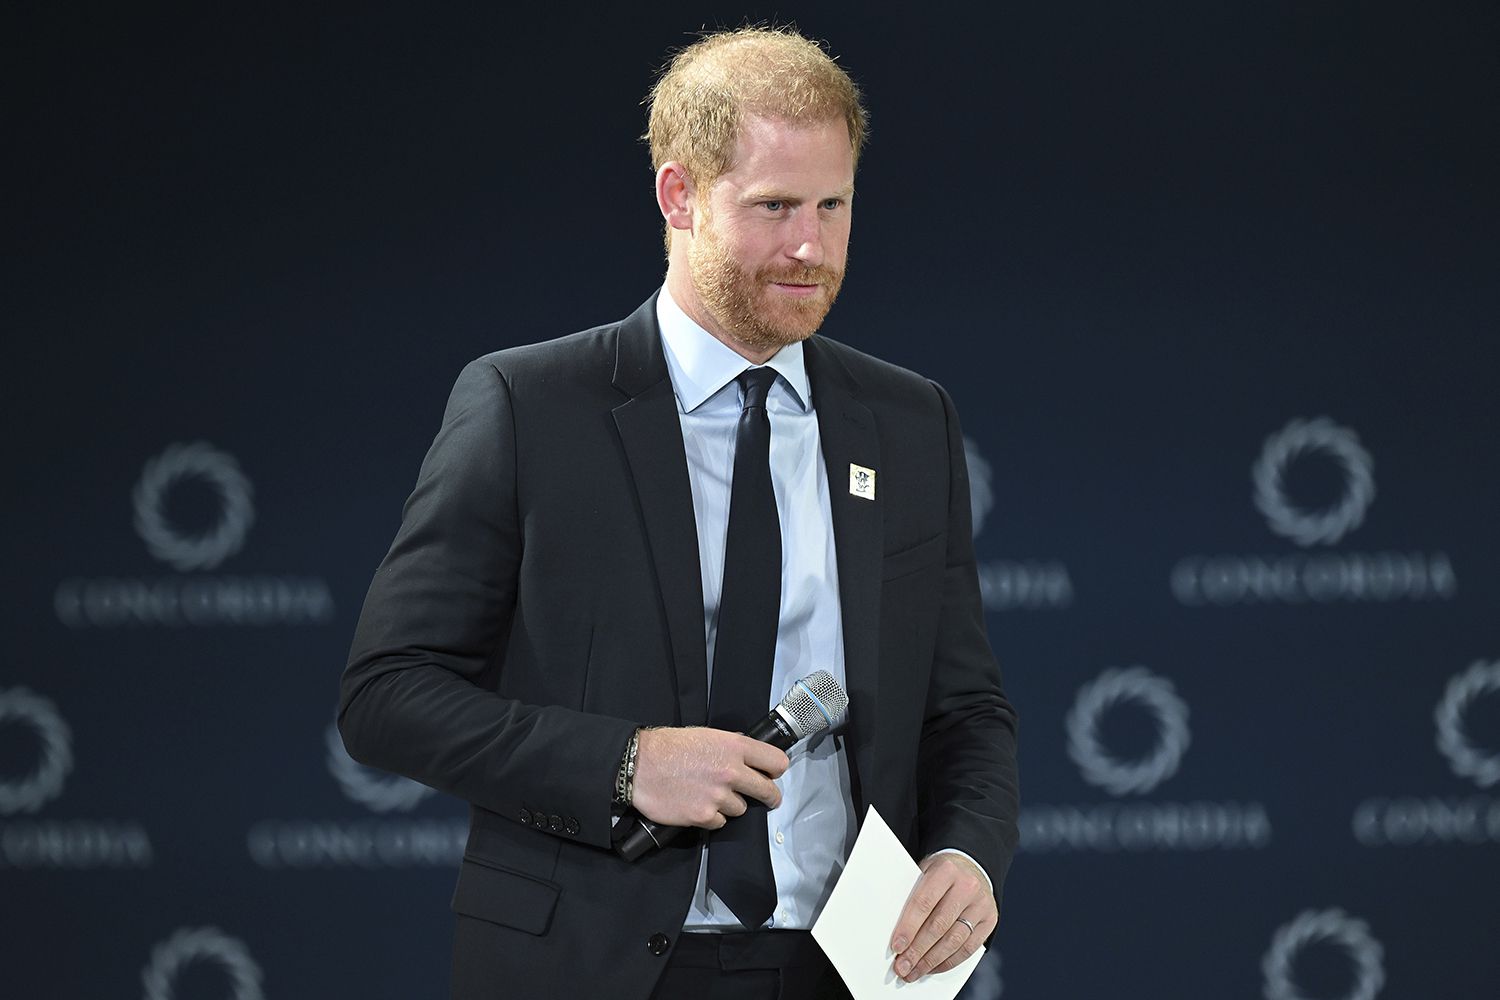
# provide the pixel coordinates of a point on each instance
(675, 195)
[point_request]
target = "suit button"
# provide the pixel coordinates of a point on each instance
(571, 826)
(658, 944)
(554, 823)
(525, 817)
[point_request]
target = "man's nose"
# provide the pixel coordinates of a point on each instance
(806, 243)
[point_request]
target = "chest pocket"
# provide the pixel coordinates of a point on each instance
(913, 558)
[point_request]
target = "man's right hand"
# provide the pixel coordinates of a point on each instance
(698, 776)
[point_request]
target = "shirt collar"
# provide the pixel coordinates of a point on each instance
(700, 364)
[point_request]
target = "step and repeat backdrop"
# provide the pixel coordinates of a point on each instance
(1215, 292)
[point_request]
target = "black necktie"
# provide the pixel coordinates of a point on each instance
(739, 857)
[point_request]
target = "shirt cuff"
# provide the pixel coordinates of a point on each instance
(976, 864)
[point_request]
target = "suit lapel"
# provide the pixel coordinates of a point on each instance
(651, 434)
(847, 429)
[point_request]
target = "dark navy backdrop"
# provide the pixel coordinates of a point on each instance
(1214, 287)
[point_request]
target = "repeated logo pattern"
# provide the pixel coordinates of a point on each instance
(1313, 527)
(201, 944)
(167, 541)
(1106, 826)
(1102, 769)
(1314, 927)
(45, 783)
(1466, 759)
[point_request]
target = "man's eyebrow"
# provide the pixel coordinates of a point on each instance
(770, 194)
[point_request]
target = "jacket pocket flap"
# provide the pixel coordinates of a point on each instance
(914, 557)
(504, 897)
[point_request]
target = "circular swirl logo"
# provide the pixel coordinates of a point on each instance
(1157, 696)
(1467, 760)
(170, 543)
(205, 944)
(371, 789)
(981, 485)
(1313, 927)
(27, 795)
(1313, 527)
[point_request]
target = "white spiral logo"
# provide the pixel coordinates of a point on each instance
(46, 782)
(381, 793)
(1158, 696)
(201, 944)
(981, 486)
(1316, 926)
(1304, 527)
(1467, 760)
(167, 542)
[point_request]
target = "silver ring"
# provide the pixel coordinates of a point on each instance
(967, 923)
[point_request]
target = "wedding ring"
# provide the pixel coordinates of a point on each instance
(967, 923)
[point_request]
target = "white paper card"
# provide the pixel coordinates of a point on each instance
(854, 929)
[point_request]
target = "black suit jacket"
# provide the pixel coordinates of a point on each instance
(543, 598)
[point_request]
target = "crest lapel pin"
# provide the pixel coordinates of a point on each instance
(861, 482)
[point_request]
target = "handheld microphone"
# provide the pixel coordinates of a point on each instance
(815, 703)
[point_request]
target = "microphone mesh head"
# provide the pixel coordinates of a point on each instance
(814, 703)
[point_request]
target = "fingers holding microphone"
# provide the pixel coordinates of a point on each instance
(700, 777)
(696, 776)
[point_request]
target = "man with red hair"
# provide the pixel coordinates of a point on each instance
(625, 545)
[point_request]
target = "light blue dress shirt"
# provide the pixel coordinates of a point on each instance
(813, 830)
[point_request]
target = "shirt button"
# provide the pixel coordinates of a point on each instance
(780, 837)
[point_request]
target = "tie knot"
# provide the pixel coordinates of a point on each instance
(756, 383)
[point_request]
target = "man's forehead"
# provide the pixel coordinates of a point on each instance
(772, 151)
(756, 126)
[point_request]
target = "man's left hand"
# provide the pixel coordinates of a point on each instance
(929, 937)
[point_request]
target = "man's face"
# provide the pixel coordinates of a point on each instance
(768, 255)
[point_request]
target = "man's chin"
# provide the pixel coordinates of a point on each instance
(790, 321)
(774, 320)
(763, 338)
(787, 330)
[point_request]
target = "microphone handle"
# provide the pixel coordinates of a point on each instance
(634, 835)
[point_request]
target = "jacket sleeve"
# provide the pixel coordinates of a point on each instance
(419, 695)
(968, 791)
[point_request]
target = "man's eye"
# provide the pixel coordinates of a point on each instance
(772, 206)
(832, 203)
